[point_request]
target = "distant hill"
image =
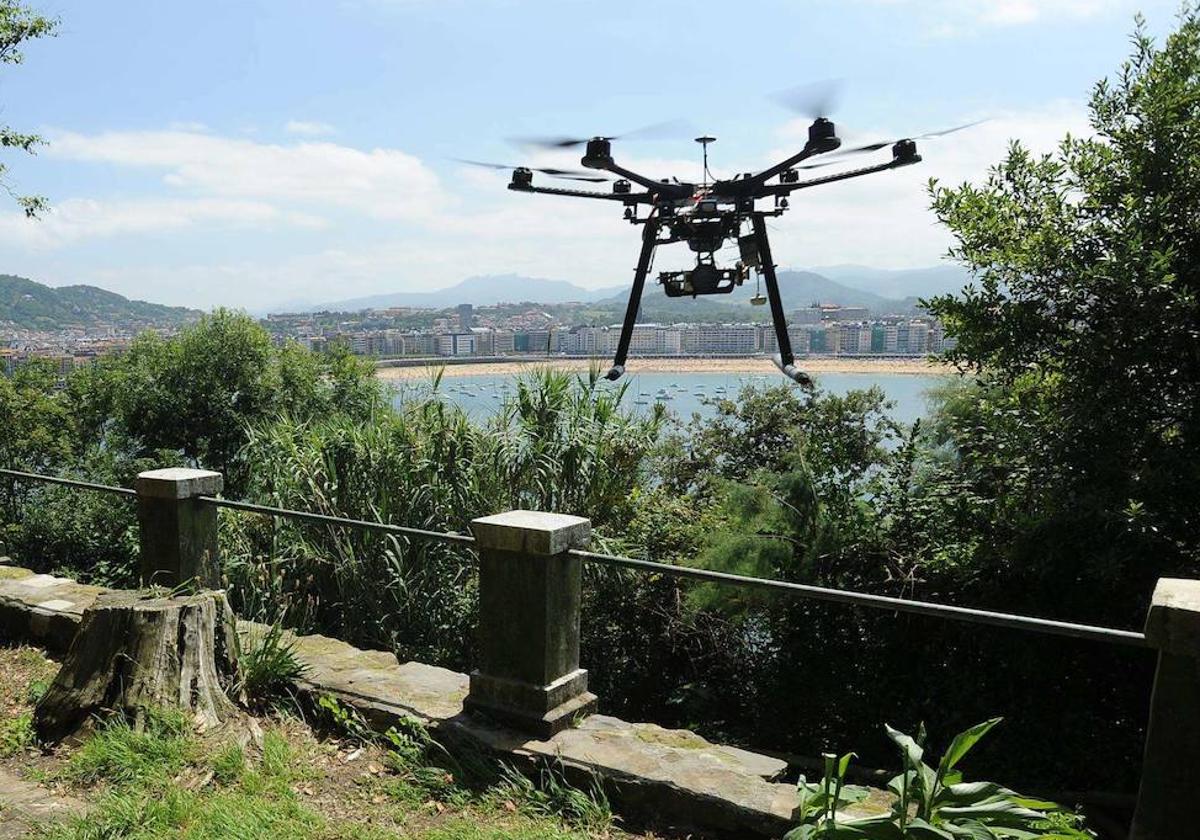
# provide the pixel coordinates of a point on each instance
(899, 283)
(799, 289)
(880, 290)
(479, 291)
(25, 304)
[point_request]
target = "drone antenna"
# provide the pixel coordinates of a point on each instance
(704, 141)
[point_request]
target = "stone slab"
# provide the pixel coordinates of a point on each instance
(531, 532)
(42, 608)
(26, 808)
(178, 483)
(1173, 623)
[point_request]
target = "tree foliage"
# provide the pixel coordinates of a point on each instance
(1084, 324)
(19, 24)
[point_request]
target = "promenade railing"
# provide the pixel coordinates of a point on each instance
(529, 673)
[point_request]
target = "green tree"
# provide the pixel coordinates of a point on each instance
(18, 24)
(1086, 311)
(198, 393)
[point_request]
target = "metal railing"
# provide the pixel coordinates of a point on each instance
(950, 612)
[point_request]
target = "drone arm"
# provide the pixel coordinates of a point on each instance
(804, 154)
(627, 198)
(784, 189)
(649, 183)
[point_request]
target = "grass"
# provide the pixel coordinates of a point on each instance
(268, 665)
(164, 781)
(27, 674)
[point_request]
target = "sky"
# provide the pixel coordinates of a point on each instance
(265, 153)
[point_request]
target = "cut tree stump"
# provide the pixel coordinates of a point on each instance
(134, 653)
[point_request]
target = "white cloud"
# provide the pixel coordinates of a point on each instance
(478, 227)
(383, 183)
(77, 219)
(953, 18)
(309, 128)
(884, 219)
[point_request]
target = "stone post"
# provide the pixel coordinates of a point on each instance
(178, 532)
(1166, 809)
(529, 592)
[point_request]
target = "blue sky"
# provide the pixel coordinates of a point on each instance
(257, 152)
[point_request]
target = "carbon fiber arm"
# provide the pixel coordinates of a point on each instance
(625, 198)
(784, 189)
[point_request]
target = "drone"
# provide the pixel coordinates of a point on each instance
(709, 214)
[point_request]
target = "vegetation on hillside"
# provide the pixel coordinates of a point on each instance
(27, 305)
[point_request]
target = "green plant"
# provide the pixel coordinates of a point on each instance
(931, 804)
(268, 665)
(548, 794)
(16, 734)
(343, 720)
(819, 804)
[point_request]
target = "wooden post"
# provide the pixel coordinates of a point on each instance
(529, 593)
(1165, 810)
(178, 532)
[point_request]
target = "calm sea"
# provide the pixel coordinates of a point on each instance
(684, 393)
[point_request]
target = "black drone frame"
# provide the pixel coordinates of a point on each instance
(706, 216)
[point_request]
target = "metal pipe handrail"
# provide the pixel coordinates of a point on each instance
(883, 602)
(70, 482)
(819, 593)
(324, 519)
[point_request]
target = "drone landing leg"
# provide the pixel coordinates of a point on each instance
(649, 241)
(784, 360)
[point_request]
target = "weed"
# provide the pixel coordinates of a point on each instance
(268, 665)
(16, 734)
(551, 796)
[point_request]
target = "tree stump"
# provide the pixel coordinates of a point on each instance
(135, 652)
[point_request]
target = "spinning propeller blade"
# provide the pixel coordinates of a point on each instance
(662, 129)
(874, 147)
(814, 100)
(565, 174)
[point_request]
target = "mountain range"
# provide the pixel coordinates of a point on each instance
(880, 290)
(25, 304)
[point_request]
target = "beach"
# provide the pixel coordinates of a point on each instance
(746, 365)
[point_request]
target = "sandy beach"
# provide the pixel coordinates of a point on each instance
(759, 364)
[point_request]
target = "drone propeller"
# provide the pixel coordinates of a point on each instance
(814, 100)
(662, 129)
(874, 147)
(839, 156)
(564, 174)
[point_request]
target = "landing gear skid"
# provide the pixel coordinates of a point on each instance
(784, 359)
(649, 242)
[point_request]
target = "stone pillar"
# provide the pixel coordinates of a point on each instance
(1165, 807)
(529, 592)
(178, 532)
